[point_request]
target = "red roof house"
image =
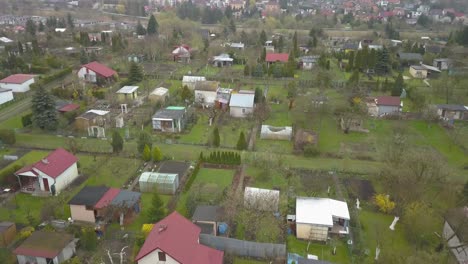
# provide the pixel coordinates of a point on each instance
(18, 83)
(95, 72)
(68, 108)
(277, 57)
(384, 105)
(46, 247)
(175, 240)
(51, 174)
(388, 100)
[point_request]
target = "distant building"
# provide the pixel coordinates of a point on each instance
(17, 83)
(276, 57)
(95, 122)
(418, 71)
(205, 92)
(452, 112)
(442, 64)
(127, 93)
(6, 95)
(96, 72)
(241, 105)
(159, 94)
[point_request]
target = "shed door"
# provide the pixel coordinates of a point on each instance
(46, 184)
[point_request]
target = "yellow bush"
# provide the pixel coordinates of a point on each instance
(384, 203)
(146, 229)
(25, 232)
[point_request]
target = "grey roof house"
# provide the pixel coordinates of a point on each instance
(170, 119)
(241, 105)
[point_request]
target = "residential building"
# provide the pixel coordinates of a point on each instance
(127, 93)
(170, 119)
(46, 247)
(308, 62)
(407, 59)
(181, 53)
(384, 105)
(50, 175)
(6, 95)
(95, 122)
(175, 240)
(241, 105)
(96, 204)
(316, 218)
(455, 233)
(205, 92)
(96, 72)
(442, 64)
(17, 83)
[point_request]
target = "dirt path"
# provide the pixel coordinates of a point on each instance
(253, 136)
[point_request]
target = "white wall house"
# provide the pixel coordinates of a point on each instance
(17, 83)
(317, 217)
(6, 95)
(56, 171)
(241, 105)
(94, 72)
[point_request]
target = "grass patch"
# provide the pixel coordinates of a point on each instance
(249, 261)
(274, 179)
(22, 205)
(146, 199)
(199, 133)
(110, 171)
(13, 123)
(323, 251)
(206, 187)
(276, 146)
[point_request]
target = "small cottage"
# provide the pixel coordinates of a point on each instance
(384, 105)
(317, 217)
(452, 112)
(46, 247)
(276, 58)
(418, 71)
(206, 92)
(95, 122)
(241, 105)
(17, 83)
(127, 93)
(96, 204)
(442, 64)
(170, 119)
(308, 62)
(95, 72)
(181, 53)
(159, 94)
(222, 60)
(50, 175)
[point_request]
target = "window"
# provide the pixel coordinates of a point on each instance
(243, 110)
(89, 207)
(162, 256)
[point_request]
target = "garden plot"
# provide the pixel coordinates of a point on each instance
(357, 188)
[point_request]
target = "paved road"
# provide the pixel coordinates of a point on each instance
(15, 109)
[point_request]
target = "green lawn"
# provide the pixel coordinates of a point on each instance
(208, 184)
(145, 206)
(239, 260)
(274, 180)
(22, 205)
(275, 146)
(323, 251)
(279, 115)
(374, 230)
(109, 171)
(13, 123)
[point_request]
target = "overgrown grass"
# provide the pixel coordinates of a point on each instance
(323, 251)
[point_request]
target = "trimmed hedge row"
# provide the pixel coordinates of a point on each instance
(192, 177)
(222, 157)
(52, 77)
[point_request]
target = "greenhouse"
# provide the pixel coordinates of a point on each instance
(164, 183)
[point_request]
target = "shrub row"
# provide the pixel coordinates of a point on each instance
(222, 157)
(193, 176)
(7, 136)
(52, 77)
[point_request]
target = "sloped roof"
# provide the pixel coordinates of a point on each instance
(410, 56)
(3, 90)
(100, 69)
(178, 237)
(388, 100)
(320, 211)
(126, 198)
(127, 89)
(107, 198)
(273, 57)
(89, 195)
(168, 113)
(452, 107)
(53, 165)
(242, 100)
(44, 244)
(17, 78)
(69, 108)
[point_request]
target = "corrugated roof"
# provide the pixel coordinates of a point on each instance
(107, 198)
(17, 78)
(126, 198)
(169, 114)
(389, 100)
(320, 211)
(242, 100)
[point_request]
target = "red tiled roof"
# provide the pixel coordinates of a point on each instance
(69, 108)
(100, 69)
(53, 165)
(179, 240)
(272, 57)
(17, 78)
(107, 198)
(388, 100)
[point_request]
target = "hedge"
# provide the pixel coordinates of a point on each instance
(8, 136)
(222, 157)
(193, 176)
(52, 77)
